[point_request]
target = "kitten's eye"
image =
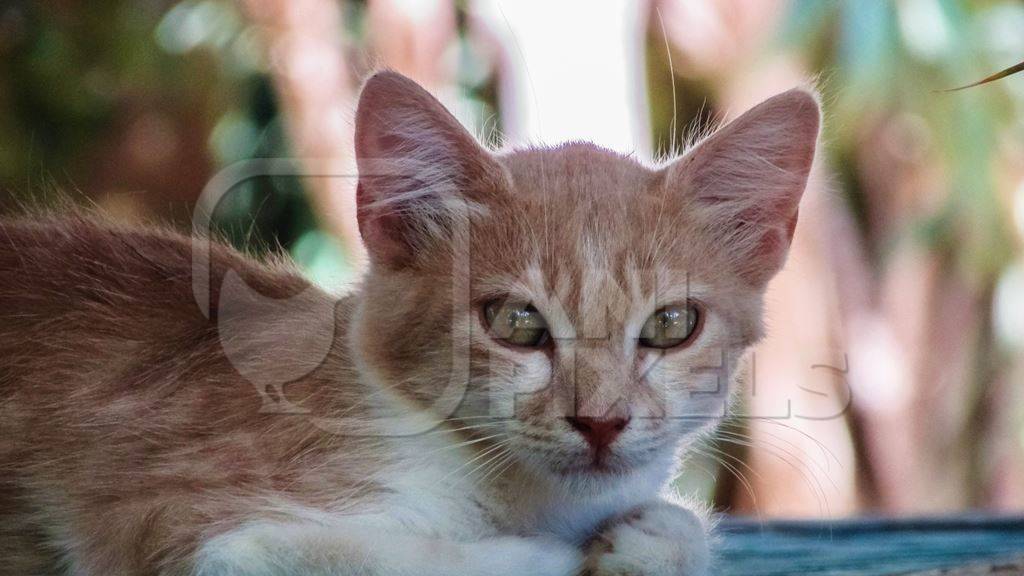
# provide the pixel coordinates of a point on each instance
(516, 324)
(670, 326)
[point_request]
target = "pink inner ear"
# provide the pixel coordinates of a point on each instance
(770, 253)
(757, 246)
(791, 229)
(382, 231)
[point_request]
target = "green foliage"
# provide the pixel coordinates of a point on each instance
(885, 58)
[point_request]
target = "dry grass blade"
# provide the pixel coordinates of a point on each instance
(997, 76)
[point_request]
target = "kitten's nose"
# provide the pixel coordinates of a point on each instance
(598, 432)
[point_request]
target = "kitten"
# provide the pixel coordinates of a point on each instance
(540, 335)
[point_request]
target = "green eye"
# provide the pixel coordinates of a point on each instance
(516, 324)
(670, 326)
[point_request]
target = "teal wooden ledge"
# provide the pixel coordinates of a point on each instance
(869, 547)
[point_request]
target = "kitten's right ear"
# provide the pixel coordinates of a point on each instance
(420, 172)
(746, 180)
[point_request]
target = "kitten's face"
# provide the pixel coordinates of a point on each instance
(583, 247)
(590, 310)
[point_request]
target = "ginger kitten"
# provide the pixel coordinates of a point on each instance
(541, 334)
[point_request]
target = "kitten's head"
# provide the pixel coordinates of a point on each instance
(587, 311)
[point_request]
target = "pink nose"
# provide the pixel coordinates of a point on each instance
(598, 432)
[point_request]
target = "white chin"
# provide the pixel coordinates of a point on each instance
(610, 466)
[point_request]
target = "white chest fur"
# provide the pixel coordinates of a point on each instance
(441, 489)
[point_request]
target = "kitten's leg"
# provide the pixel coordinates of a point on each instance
(279, 549)
(657, 539)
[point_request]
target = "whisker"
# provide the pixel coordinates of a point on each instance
(482, 454)
(503, 450)
(806, 459)
(738, 474)
(498, 469)
(793, 461)
(478, 426)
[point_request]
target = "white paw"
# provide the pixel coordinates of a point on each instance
(658, 539)
(514, 556)
(245, 551)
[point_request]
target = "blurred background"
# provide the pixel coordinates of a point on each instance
(893, 378)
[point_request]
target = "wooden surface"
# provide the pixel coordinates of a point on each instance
(1004, 568)
(964, 546)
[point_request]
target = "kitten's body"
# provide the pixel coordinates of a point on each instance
(128, 436)
(283, 431)
(117, 403)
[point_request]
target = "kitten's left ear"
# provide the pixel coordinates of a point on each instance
(746, 181)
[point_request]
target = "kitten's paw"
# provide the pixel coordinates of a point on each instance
(657, 539)
(515, 556)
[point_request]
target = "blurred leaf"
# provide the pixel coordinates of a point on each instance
(323, 260)
(805, 19)
(869, 46)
